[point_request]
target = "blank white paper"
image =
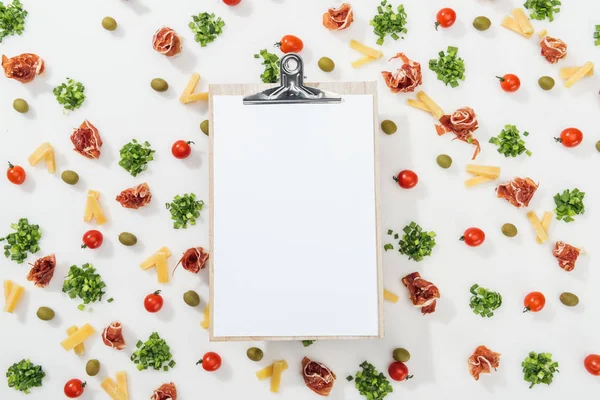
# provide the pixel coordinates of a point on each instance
(294, 226)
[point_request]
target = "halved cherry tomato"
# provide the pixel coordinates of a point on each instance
(210, 361)
(473, 237)
(74, 388)
(92, 239)
(509, 82)
(407, 179)
(181, 149)
(232, 2)
(534, 302)
(290, 44)
(398, 371)
(153, 302)
(15, 174)
(570, 137)
(592, 364)
(445, 18)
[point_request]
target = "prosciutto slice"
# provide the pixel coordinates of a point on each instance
(42, 271)
(566, 255)
(166, 391)
(86, 140)
(112, 336)
(194, 259)
(482, 361)
(317, 377)
(135, 197)
(462, 122)
(518, 192)
(553, 49)
(166, 41)
(423, 294)
(337, 19)
(23, 67)
(406, 78)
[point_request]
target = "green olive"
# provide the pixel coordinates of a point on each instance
(21, 106)
(326, 64)
(254, 353)
(546, 82)
(191, 298)
(598, 145)
(444, 161)
(69, 177)
(509, 230)
(159, 84)
(92, 367)
(45, 313)
(204, 127)
(388, 127)
(127, 239)
(482, 23)
(401, 355)
(109, 23)
(569, 299)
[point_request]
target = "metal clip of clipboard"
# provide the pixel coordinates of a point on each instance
(292, 89)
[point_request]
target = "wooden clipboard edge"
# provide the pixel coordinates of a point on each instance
(342, 88)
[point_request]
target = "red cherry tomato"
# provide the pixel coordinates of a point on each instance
(210, 361)
(592, 364)
(407, 179)
(232, 2)
(534, 302)
(570, 137)
(473, 237)
(92, 239)
(153, 302)
(509, 82)
(398, 371)
(74, 388)
(290, 44)
(445, 18)
(181, 149)
(15, 174)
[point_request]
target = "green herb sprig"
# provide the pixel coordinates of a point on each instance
(539, 368)
(387, 22)
(154, 353)
(24, 375)
(12, 19)
(370, 383)
(70, 94)
(416, 243)
(569, 204)
(542, 9)
(84, 283)
(25, 240)
(597, 36)
(483, 301)
(509, 142)
(184, 209)
(271, 63)
(307, 343)
(206, 27)
(449, 67)
(136, 156)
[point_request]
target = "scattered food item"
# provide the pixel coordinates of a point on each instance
(93, 209)
(112, 336)
(423, 294)
(136, 156)
(540, 231)
(15, 174)
(267, 372)
(191, 298)
(92, 239)
(127, 239)
(211, 361)
(569, 204)
(92, 367)
(77, 337)
(159, 84)
(45, 313)
(317, 377)
(204, 127)
(592, 364)
(12, 295)
(597, 36)
(337, 19)
(406, 179)
(42, 271)
(509, 230)
(307, 343)
(271, 63)
(188, 96)
(206, 317)
(539, 368)
(326, 64)
(388, 22)
(181, 149)
(449, 67)
(25, 240)
(511, 24)
(523, 21)
(154, 353)
(415, 243)
(70, 94)
(84, 283)
(473, 237)
(116, 390)
(12, 19)
(398, 371)
(206, 27)
(580, 73)
(445, 18)
(509, 82)
(194, 259)
(483, 301)
(86, 140)
(425, 103)
(482, 23)
(406, 78)
(20, 106)
(510, 143)
(69, 177)
(567, 72)
(153, 302)
(598, 145)
(74, 388)
(566, 255)
(517, 192)
(168, 391)
(546, 219)
(23, 67)
(444, 161)
(290, 44)
(371, 383)
(542, 9)
(185, 209)
(553, 49)
(254, 353)
(534, 302)
(79, 349)
(463, 122)
(389, 296)
(369, 53)
(570, 137)
(24, 375)
(482, 361)
(546, 82)
(401, 354)
(109, 23)
(135, 197)
(166, 41)
(44, 152)
(230, 3)
(569, 299)
(159, 260)
(388, 127)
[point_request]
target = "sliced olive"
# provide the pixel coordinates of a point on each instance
(204, 127)
(444, 161)
(509, 230)
(109, 23)
(21, 106)
(401, 355)
(45, 313)
(482, 23)
(127, 239)
(92, 367)
(159, 84)
(191, 298)
(569, 299)
(254, 353)
(69, 177)
(326, 64)
(546, 82)
(388, 127)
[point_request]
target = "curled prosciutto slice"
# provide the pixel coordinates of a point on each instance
(42, 271)
(336, 19)
(406, 78)
(194, 259)
(317, 377)
(23, 67)
(462, 122)
(423, 294)
(86, 140)
(482, 361)
(518, 192)
(112, 336)
(166, 391)
(553, 49)
(135, 197)
(566, 255)
(166, 41)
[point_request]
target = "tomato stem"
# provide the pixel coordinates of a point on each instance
(526, 309)
(83, 384)
(437, 24)
(157, 292)
(462, 239)
(277, 44)
(409, 377)
(395, 178)
(199, 362)
(190, 142)
(558, 140)
(10, 165)
(84, 246)
(501, 78)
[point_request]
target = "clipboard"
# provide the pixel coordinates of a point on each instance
(289, 259)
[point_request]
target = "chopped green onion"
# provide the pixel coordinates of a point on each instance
(416, 243)
(25, 240)
(509, 142)
(271, 63)
(135, 157)
(449, 67)
(206, 28)
(70, 94)
(84, 283)
(483, 301)
(569, 204)
(388, 22)
(542, 9)
(24, 375)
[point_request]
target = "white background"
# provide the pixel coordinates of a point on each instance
(116, 69)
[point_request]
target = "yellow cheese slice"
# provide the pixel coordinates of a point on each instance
(511, 24)
(51, 161)
(276, 378)
(542, 33)
(8, 287)
(122, 383)
(39, 154)
(80, 348)
(546, 219)
(162, 268)
(93, 210)
(202, 96)
(267, 372)
(87, 215)
(366, 50)
(189, 88)
(13, 298)
(112, 389)
(78, 337)
(418, 104)
(389, 296)
(539, 230)
(206, 314)
(477, 180)
(435, 110)
(567, 72)
(581, 72)
(483, 170)
(153, 259)
(523, 21)
(362, 61)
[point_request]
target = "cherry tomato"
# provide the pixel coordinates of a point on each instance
(592, 364)
(534, 302)
(509, 82)
(407, 179)
(153, 302)
(290, 44)
(74, 388)
(570, 137)
(15, 174)
(398, 371)
(232, 2)
(181, 149)
(445, 18)
(92, 239)
(210, 361)
(473, 237)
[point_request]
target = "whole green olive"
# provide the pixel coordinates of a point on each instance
(254, 353)
(569, 299)
(444, 161)
(92, 367)
(204, 127)
(546, 82)
(326, 64)
(69, 177)
(109, 23)
(127, 239)
(401, 355)
(159, 84)
(598, 145)
(45, 313)
(388, 127)
(482, 23)
(21, 106)
(191, 298)
(509, 230)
